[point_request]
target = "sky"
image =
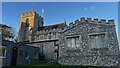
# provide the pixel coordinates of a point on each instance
(56, 12)
(59, 0)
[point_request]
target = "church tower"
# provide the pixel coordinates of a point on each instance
(29, 23)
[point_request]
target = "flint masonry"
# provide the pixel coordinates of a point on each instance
(89, 42)
(84, 42)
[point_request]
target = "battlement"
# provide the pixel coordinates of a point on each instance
(30, 14)
(47, 31)
(93, 21)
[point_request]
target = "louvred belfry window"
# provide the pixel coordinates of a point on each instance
(27, 22)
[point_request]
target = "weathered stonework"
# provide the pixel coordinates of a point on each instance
(29, 23)
(83, 42)
(32, 29)
(85, 54)
(15, 54)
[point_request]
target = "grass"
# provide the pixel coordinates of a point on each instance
(46, 64)
(54, 65)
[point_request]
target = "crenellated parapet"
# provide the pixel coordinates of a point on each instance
(27, 14)
(89, 41)
(47, 31)
(30, 14)
(93, 21)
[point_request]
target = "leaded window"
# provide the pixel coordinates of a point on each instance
(97, 41)
(73, 42)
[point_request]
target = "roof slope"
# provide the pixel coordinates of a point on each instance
(61, 25)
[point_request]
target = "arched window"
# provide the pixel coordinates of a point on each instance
(27, 22)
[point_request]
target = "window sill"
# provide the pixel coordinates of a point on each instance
(1, 57)
(105, 48)
(27, 58)
(73, 50)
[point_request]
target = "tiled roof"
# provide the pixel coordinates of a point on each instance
(61, 25)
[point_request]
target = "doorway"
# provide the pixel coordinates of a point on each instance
(14, 56)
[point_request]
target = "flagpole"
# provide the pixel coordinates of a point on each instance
(33, 6)
(42, 12)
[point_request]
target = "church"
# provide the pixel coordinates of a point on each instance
(83, 42)
(33, 31)
(86, 42)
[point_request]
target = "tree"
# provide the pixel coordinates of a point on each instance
(7, 32)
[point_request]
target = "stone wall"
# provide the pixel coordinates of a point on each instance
(21, 58)
(33, 55)
(85, 54)
(48, 51)
(6, 60)
(48, 48)
(48, 34)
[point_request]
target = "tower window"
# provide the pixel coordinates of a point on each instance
(27, 22)
(39, 24)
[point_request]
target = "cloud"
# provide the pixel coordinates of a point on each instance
(85, 8)
(92, 7)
